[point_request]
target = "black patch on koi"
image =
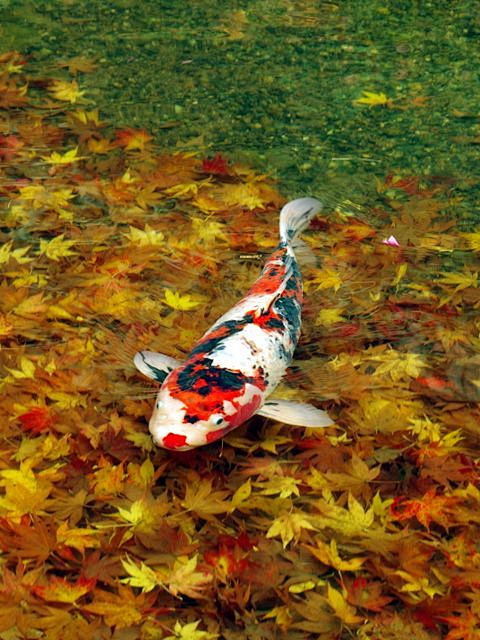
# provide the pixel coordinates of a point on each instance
(203, 377)
(191, 419)
(288, 307)
(273, 323)
(230, 327)
(293, 283)
(158, 374)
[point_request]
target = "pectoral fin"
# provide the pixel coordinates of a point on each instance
(295, 413)
(155, 365)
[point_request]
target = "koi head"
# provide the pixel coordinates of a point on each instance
(183, 421)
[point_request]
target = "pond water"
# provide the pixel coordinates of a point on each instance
(146, 150)
(275, 83)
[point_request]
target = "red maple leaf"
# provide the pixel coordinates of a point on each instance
(37, 419)
(218, 165)
(9, 145)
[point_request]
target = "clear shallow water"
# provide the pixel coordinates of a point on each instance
(273, 83)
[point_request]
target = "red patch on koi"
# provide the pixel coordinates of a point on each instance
(268, 321)
(211, 436)
(174, 441)
(273, 275)
(245, 412)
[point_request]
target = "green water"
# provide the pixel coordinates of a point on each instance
(273, 83)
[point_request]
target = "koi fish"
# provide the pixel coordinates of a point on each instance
(234, 367)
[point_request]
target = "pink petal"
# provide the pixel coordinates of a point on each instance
(391, 241)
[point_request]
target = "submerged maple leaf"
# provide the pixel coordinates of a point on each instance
(189, 631)
(66, 91)
(37, 419)
(373, 99)
(132, 139)
(121, 610)
(430, 507)
(180, 302)
(79, 64)
(289, 527)
(218, 165)
(66, 158)
(57, 248)
(61, 590)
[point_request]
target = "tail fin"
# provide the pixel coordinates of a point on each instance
(295, 216)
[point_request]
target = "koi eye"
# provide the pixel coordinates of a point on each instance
(159, 404)
(217, 420)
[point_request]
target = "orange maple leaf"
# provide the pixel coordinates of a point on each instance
(60, 590)
(131, 139)
(430, 507)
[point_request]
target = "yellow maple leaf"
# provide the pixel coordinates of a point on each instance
(241, 494)
(140, 576)
(6, 327)
(343, 610)
(284, 486)
(86, 117)
(40, 196)
(100, 146)
(57, 248)
(122, 610)
(77, 538)
(187, 302)
(473, 240)
(67, 400)
(147, 238)
(329, 317)
(185, 579)
(202, 499)
(79, 63)
(419, 586)
(66, 91)
(25, 491)
(460, 280)
(399, 365)
(208, 231)
(400, 272)
(247, 195)
(373, 99)
(351, 521)
(67, 158)
(325, 278)
(143, 514)
(328, 554)
(187, 189)
(32, 306)
(26, 370)
(19, 255)
(282, 615)
(289, 526)
(30, 279)
(189, 631)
